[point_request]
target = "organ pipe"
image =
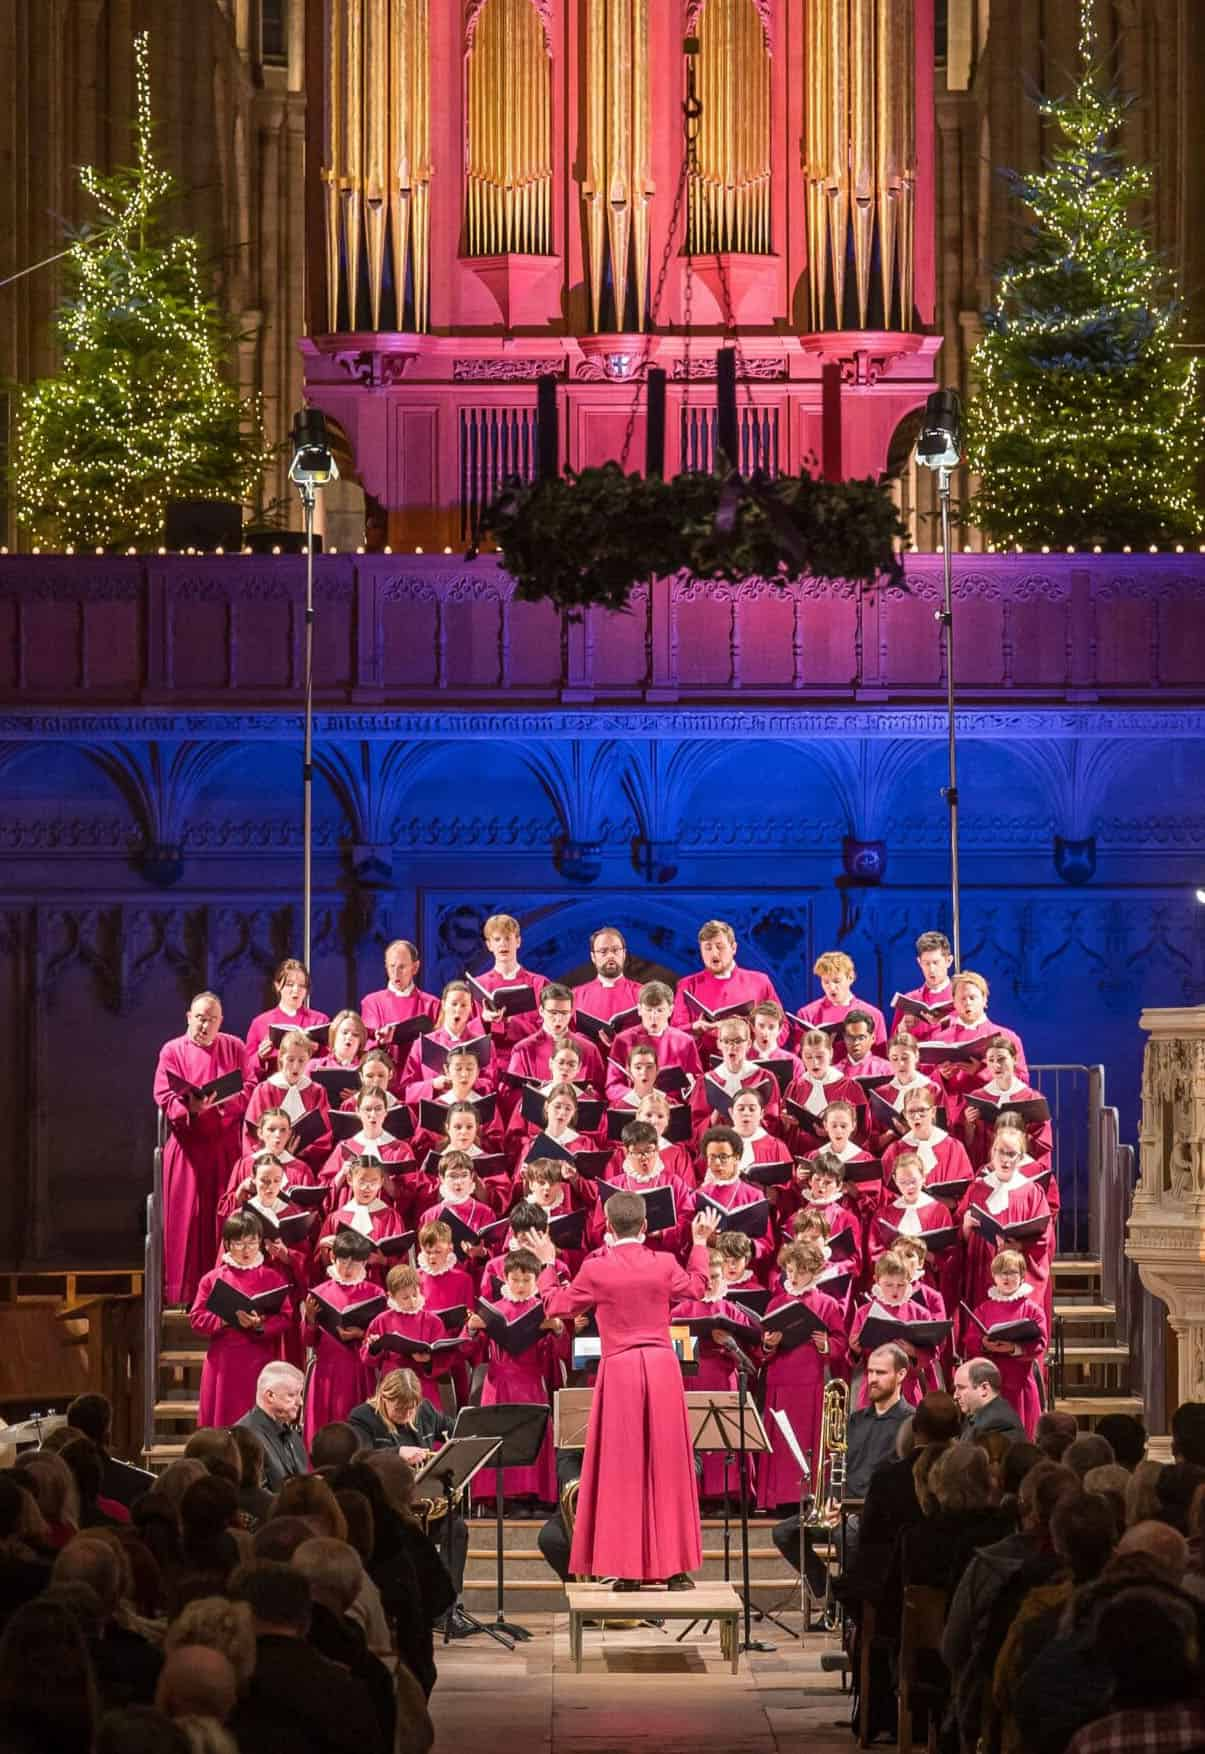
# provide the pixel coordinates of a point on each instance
(730, 191)
(508, 173)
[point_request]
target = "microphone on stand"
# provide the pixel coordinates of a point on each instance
(741, 1359)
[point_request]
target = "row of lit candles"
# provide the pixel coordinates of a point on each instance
(991, 549)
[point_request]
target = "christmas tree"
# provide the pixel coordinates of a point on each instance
(140, 412)
(1084, 428)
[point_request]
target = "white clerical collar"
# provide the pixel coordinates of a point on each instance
(401, 992)
(608, 984)
(398, 1310)
(618, 1242)
(282, 1083)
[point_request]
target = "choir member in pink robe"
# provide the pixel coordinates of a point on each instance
(970, 1023)
(339, 1380)
(718, 985)
(673, 1155)
(291, 1088)
(502, 940)
(857, 1034)
(346, 1046)
(716, 1369)
(238, 1351)
(564, 1071)
(903, 1055)
(273, 1131)
(371, 1140)
(795, 1376)
(735, 1250)
(825, 1194)
(835, 1279)
(445, 1284)
(769, 1024)
(943, 1156)
(1034, 1169)
(673, 1047)
(1006, 1196)
(863, 1172)
(409, 1317)
(456, 1199)
(643, 1170)
(892, 1295)
(292, 1010)
(531, 1058)
(560, 1125)
(836, 974)
(758, 1145)
(1011, 1299)
(204, 1140)
(935, 959)
(722, 1149)
(820, 1083)
(628, 1084)
(365, 1212)
(529, 1378)
(1003, 1088)
(733, 1072)
(914, 1212)
(400, 1000)
(638, 1509)
(456, 1025)
(611, 991)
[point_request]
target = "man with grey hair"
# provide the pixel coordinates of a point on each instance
(197, 1682)
(335, 1574)
(983, 1407)
(127, 1666)
(273, 1419)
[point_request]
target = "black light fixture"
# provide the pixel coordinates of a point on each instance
(313, 462)
(939, 448)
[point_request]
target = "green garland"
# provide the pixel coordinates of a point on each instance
(586, 538)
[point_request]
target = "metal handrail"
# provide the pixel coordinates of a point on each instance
(152, 1288)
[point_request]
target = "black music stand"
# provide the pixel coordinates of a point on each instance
(518, 1429)
(451, 1468)
(736, 1425)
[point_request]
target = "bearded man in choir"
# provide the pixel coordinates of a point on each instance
(718, 985)
(400, 999)
(638, 1511)
(611, 990)
(203, 1141)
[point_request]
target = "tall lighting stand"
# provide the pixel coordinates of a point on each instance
(939, 448)
(313, 466)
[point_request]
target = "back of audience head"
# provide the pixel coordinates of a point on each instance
(1087, 1452)
(1042, 1488)
(1142, 1501)
(46, 1679)
(217, 1451)
(250, 1455)
(178, 1476)
(88, 1561)
(1148, 1639)
(1188, 1433)
(937, 1419)
(1019, 1458)
(279, 1538)
(93, 1416)
(197, 1680)
(333, 1570)
(396, 1477)
(54, 1486)
(962, 1479)
(208, 1509)
(1083, 1530)
(1110, 1483)
(84, 1459)
(357, 1514)
(333, 1445)
(278, 1597)
(1157, 1541)
(1175, 1488)
(82, 1603)
(221, 1625)
(1055, 1433)
(310, 1497)
(1126, 1435)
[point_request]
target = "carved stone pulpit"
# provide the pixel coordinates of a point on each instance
(1166, 1232)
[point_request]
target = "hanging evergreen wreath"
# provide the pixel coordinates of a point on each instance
(584, 539)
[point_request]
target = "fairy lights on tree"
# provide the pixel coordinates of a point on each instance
(1085, 425)
(140, 412)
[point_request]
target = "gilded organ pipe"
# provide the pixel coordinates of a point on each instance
(617, 187)
(729, 201)
(378, 160)
(508, 172)
(860, 161)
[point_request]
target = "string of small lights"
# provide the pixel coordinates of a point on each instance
(140, 412)
(1084, 429)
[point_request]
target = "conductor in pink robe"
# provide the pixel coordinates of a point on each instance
(203, 1143)
(638, 1513)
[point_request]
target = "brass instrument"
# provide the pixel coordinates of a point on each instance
(569, 1497)
(828, 1471)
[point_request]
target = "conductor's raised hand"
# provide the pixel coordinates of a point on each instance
(543, 1247)
(703, 1227)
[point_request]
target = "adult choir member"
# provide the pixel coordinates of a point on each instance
(203, 1141)
(718, 986)
(638, 1512)
(611, 991)
(401, 998)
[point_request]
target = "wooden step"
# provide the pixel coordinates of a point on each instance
(1077, 1267)
(181, 1360)
(1086, 1312)
(1096, 1406)
(160, 1454)
(1094, 1352)
(174, 1410)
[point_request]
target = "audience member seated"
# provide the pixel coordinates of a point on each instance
(96, 1510)
(1126, 1436)
(210, 1549)
(1055, 1433)
(221, 1625)
(1188, 1433)
(93, 1416)
(126, 1665)
(1149, 1642)
(1175, 1489)
(24, 1572)
(954, 1487)
(984, 1408)
(1087, 1452)
(144, 1729)
(273, 1419)
(254, 1500)
(198, 1690)
(48, 1701)
(298, 1702)
(334, 1445)
(334, 1574)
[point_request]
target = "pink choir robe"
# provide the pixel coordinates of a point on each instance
(508, 1032)
(296, 1174)
(339, 1379)
(328, 1063)
(743, 986)
(943, 1269)
(416, 1072)
(1018, 1380)
(939, 1372)
(841, 1216)
(754, 1078)
(880, 1138)
(732, 1196)
(822, 1011)
(272, 1094)
(673, 1047)
(969, 1076)
(198, 1156)
(943, 1156)
(661, 1241)
(918, 1380)
(306, 1018)
(382, 1221)
(1025, 1200)
(638, 1510)
(531, 1058)
(865, 1196)
(420, 1324)
(979, 1127)
(795, 1386)
(387, 1151)
(815, 1095)
(527, 1380)
(236, 1355)
(714, 1369)
(452, 1287)
(675, 1160)
(606, 999)
(871, 1065)
(917, 1026)
(387, 1006)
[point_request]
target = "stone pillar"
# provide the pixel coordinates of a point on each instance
(1166, 1232)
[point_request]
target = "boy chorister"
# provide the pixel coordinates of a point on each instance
(1007, 1198)
(674, 1048)
(796, 1371)
(241, 1343)
(836, 974)
(528, 1377)
(339, 1380)
(456, 1025)
(1010, 1299)
(408, 1319)
(503, 939)
(715, 1367)
(892, 1293)
(290, 1088)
